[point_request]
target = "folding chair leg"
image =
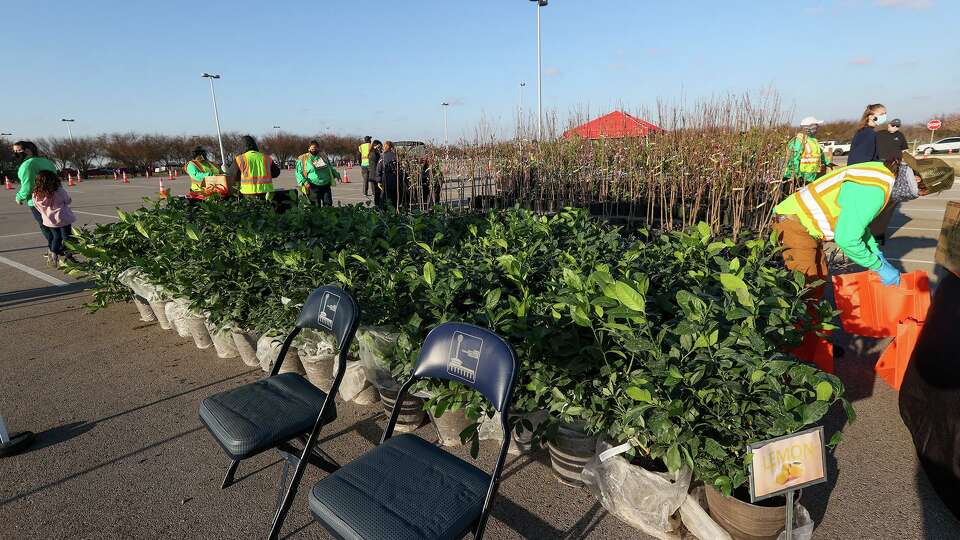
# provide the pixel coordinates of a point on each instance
(231, 472)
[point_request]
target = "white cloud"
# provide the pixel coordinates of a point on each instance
(907, 4)
(552, 72)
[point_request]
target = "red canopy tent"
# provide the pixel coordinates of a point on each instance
(615, 125)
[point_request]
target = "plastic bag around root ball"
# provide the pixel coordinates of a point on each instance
(803, 524)
(355, 386)
(140, 285)
(643, 499)
(174, 313)
(222, 341)
(195, 324)
(268, 350)
(146, 313)
(377, 345)
(697, 521)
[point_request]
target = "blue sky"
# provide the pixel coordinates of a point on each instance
(383, 68)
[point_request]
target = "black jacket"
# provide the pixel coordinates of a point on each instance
(891, 145)
(374, 159)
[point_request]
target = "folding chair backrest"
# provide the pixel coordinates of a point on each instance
(472, 356)
(331, 309)
(328, 309)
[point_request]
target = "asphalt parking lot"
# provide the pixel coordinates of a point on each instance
(122, 454)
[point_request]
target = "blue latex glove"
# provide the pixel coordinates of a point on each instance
(888, 274)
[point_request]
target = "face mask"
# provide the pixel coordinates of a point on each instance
(882, 119)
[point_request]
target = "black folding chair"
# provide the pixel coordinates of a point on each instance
(272, 412)
(407, 488)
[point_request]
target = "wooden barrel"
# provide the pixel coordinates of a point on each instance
(745, 521)
(411, 410)
(569, 453)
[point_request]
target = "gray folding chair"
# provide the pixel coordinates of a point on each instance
(407, 488)
(280, 408)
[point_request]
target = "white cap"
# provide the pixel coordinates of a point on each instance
(810, 121)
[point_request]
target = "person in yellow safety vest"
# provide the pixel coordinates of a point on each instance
(199, 168)
(805, 159)
(840, 206)
(365, 165)
(253, 170)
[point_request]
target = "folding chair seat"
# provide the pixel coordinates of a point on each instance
(407, 488)
(252, 418)
(281, 408)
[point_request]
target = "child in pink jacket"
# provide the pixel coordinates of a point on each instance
(53, 203)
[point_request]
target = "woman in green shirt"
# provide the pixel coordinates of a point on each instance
(31, 163)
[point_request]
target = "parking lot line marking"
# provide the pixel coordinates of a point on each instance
(94, 214)
(21, 234)
(911, 260)
(911, 228)
(938, 210)
(35, 273)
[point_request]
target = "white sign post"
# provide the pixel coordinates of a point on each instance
(4, 436)
(11, 444)
(785, 464)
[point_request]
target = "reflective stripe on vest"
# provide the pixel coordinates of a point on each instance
(818, 200)
(810, 155)
(205, 167)
(365, 154)
(254, 173)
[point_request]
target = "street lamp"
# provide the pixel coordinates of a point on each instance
(540, 4)
(69, 131)
(5, 134)
(278, 130)
(520, 113)
(445, 105)
(216, 116)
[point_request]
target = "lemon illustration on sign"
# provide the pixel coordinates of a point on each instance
(789, 472)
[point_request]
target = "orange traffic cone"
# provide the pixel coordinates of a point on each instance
(78, 177)
(69, 180)
(164, 192)
(6, 181)
(170, 176)
(125, 181)
(346, 178)
(116, 176)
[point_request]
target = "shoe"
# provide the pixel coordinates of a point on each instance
(54, 260)
(47, 258)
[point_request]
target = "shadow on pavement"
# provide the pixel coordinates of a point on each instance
(22, 249)
(8, 300)
(938, 521)
(97, 467)
(816, 498)
(59, 434)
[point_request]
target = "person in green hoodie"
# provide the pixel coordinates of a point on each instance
(841, 205)
(31, 163)
(316, 175)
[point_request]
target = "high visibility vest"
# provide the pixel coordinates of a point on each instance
(810, 154)
(817, 201)
(254, 173)
(204, 166)
(365, 154)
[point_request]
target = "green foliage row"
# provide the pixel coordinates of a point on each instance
(672, 342)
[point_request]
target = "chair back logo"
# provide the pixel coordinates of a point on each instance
(328, 310)
(464, 356)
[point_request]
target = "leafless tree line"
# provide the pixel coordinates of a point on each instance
(146, 151)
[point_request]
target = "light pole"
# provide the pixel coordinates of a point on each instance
(278, 130)
(540, 4)
(445, 105)
(69, 131)
(216, 116)
(520, 112)
(5, 134)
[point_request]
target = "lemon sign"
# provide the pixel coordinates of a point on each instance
(787, 463)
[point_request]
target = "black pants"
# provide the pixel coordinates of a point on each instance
(60, 234)
(43, 228)
(365, 174)
(320, 195)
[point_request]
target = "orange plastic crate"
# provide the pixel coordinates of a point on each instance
(870, 308)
